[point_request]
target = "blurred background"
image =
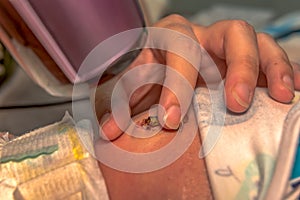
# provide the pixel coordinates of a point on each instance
(190, 7)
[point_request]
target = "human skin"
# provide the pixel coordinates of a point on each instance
(244, 58)
(239, 65)
(185, 178)
(241, 54)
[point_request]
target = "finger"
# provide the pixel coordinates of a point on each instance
(150, 76)
(109, 129)
(177, 92)
(132, 88)
(235, 41)
(182, 53)
(277, 68)
(114, 123)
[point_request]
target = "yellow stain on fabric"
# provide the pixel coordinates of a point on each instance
(77, 148)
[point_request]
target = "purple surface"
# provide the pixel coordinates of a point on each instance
(78, 26)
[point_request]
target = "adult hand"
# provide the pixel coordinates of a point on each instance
(244, 58)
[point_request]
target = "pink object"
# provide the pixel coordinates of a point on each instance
(70, 29)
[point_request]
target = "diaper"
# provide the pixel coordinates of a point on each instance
(50, 163)
(250, 155)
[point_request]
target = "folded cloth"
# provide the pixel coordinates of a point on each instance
(251, 154)
(50, 163)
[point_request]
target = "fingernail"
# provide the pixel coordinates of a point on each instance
(288, 83)
(172, 117)
(242, 94)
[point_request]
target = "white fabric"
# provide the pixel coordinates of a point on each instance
(241, 163)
